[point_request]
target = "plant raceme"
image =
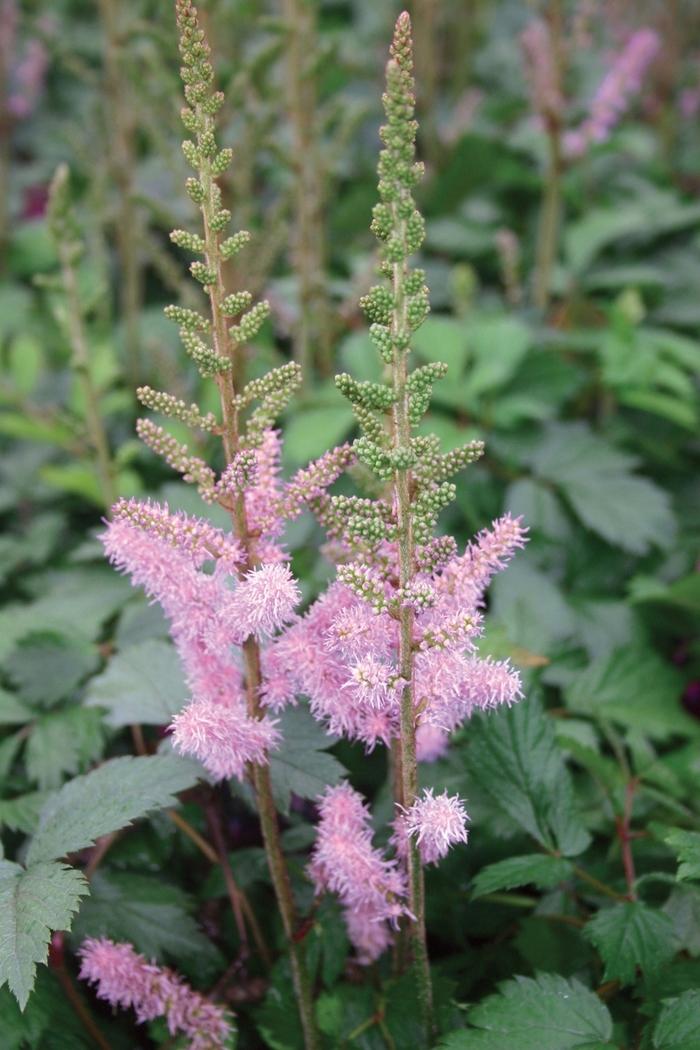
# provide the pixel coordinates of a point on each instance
(387, 656)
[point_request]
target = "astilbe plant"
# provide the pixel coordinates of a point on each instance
(387, 655)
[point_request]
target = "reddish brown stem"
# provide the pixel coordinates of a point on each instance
(626, 836)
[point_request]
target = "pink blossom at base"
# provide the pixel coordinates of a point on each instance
(431, 743)
(265, 599)
(343, 653)
(223, 738)
(436, 822)
(618, 87)
(344, 861)
(125, 978)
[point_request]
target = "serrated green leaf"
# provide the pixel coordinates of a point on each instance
(630, 936)
(33, 903)
(12, 710)
(686, 846)
(143, 683)
(677, 1027)
(547, 1013)
(152, 915)
(596, 479)
(636, 688)
(46, 667)
(683, 909)
(515, 759)
(536, 869)
(22, 813)
(62, 742)
(106, 799)
(301, 765)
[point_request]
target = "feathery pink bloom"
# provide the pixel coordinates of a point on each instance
(436, 822)
(223, 738)
(618, 87)
(265, 599)
(208, 614)
(431, 743)
(343, 653)
(125, 978)
(344, 861)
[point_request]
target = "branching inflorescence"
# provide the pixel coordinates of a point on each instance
(387, 655)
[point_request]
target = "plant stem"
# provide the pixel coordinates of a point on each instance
(601, 887)
(122, 163)
(86, 1018)
(260, 775)
(625, 837)
(548, 230)
(401, 439)
(81, 365)
(312, 342)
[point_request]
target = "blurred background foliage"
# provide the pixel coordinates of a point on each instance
(587, 403)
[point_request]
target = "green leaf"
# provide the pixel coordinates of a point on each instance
(301, 766)
(636, 688)
(12, 710)
(149, 913)
(677, 1026)
(311, 431)
(143, 683)
(515, 759)
(22, 813)
(547, 1013)
(443, 339)
(47, 667)
(683, 909)
(686, 845)
(498, 345)
(537, 869)
(596, 480)
(32, 904)
(106, 799)
(62, 742)
(632, 935)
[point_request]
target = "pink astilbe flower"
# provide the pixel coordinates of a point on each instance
(618, 87)
(266, 598)
(343, 653)
(436, 822)
(126, 979)
(344, 861)
(431, 743)
(209, 614)
(223, 738)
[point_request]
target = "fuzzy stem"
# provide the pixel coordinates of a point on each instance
(401, 438)
(548, 229)
(312, 341)
(81, 366)
(260, 775)
(122, 163)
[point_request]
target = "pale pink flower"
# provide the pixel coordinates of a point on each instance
(344, 861)
(436, 822)
(343, 653)
(431, 743)
(616, 91)
(265, 599)
(125, 978)
(224, 738)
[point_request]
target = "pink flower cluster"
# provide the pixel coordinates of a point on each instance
(28, 73)
(212, 612)
(344, 861)
(126, 979)
(618, 87)
(343, 653)
(436, 822)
